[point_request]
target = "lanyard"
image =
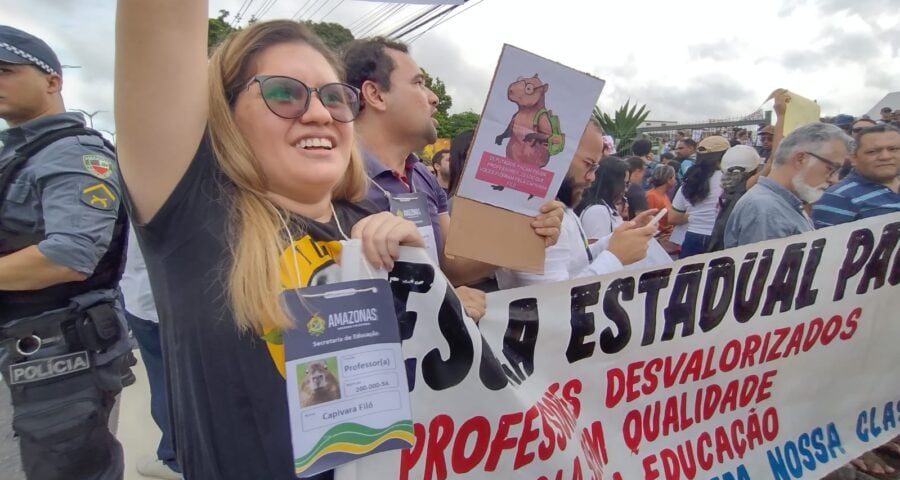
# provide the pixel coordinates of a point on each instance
(587, 248)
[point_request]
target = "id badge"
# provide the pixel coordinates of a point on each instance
(414, 207)
(347, 389)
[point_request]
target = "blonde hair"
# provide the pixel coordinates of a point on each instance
(257, 238)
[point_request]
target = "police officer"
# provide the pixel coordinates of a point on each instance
(62, 239)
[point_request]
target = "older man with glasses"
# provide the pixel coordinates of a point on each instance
(805, 164)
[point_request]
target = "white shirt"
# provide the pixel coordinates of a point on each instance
(135, 283)
(702, 215)
(599, 220)
(567, 259)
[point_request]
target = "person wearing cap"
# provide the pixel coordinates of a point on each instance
(739, 164)
(805, 163)
(696, 202)
(843, 121)
(62, 242)
(766, 135)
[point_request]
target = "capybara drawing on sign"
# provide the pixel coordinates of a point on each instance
(533, 132)
(319, 385)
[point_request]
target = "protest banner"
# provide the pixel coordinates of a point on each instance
(771, 361)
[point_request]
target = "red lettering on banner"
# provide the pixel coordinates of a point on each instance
(502, 441)
(410, 456)
(529, 434)
(481, 427)
(723, 444)
(440, 432)
(498, 170)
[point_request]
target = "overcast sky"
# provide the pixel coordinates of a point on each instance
(687, 60)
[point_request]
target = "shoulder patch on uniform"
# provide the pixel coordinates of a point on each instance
(99, 196)
(97, 165)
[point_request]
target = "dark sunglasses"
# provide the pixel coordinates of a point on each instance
(289, 98)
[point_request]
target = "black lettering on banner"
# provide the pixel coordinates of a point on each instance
(614, 342)
(746, 302)
(406, 278)
(877, 266)
(651, 283)
(859, 239)
(491, 372)
(441, 374)
(784, 284)
(682, 307)
(582, 322)
(806, 296)
(520, 338)
(720, 278)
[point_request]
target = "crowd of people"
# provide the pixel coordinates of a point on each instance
(283, 146)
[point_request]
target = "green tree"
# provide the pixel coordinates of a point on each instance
(437, 86)
(334, 35)
(219, 28)
(623, 125)
(456, 123)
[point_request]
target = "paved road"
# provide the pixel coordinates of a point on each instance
(10, 466)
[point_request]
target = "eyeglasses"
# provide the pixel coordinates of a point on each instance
(592, 166)
(289, 98)
(832, 166)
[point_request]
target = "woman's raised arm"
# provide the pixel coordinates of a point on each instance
(160, 95)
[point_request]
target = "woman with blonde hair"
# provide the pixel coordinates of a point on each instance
(242, 179)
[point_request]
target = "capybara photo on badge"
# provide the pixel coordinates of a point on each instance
(318, 383)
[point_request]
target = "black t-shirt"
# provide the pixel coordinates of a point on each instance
(637, 199)
(228, 402)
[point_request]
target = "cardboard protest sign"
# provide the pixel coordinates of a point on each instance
(771, 361)
(533, 119)
(529, 131)
(799, 111)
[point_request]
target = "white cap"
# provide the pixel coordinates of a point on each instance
(740, 158)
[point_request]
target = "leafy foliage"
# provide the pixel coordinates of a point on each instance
(219, 28)
(334, 35)
(456, 123)
(623, 125)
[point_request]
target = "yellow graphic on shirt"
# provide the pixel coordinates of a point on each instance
(305, 263)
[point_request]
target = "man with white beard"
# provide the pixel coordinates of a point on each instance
(805, 164)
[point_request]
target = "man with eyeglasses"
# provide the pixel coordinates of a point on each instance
(396, 120)
(573, 256)
(805, 164)
(871, 188)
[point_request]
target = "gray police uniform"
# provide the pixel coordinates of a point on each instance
(61, 356)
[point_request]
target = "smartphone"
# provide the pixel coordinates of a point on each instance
(655, 219)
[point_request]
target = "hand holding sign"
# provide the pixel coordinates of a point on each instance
(548, 222)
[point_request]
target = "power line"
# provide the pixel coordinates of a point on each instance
(269, 7)
(311, 15)
(366, 16)
(329, 12)
(425, 22)
(409, 17)
(305, 12)
(398, 29)
(236, 19)
(375, 22)
(296, 14)
(451, 17)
